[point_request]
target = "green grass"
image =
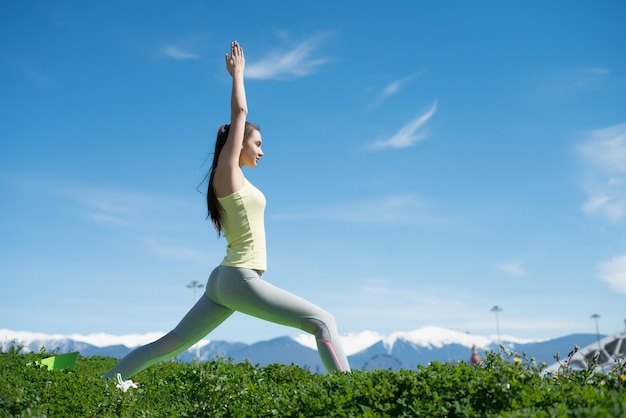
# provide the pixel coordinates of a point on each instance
(505, 385)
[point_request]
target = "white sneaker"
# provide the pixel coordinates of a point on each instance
(125, 384)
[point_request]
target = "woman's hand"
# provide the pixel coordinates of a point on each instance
(235, 62)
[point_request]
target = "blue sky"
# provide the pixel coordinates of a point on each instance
(424, 161)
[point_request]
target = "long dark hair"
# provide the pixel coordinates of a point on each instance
(214, 208)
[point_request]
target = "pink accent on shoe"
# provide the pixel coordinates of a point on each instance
(332, 350)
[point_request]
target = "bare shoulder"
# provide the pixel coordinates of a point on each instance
(228, 180)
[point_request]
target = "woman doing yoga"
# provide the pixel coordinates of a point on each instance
(236, 209)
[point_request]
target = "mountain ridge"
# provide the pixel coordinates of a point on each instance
(365, 350)
(428, 336)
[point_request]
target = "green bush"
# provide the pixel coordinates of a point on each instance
(504, 385)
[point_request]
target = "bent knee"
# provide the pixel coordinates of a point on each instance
(321, 326)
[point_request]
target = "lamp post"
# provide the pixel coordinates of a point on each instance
(496, 309)
(595, 316)
(195, 285)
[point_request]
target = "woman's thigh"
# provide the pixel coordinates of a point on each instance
(245, 291)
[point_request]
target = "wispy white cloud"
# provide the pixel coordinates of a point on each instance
(421, 301)
(152, 221)
(118, 207)
(513, 269)
(393, 88)
(596, 70)
(397, 85)
(178, 54)
(580, 79)
(409, 134)
(177, 252)
(604, 157)
(181, 51)
(39, 77)
(31, 72)
(105, 206)
(611, 207)
(613, 272)
(406, 209)
(295, 62)
(105, 218)
(606, 148)
(138, 215)
(390, 305)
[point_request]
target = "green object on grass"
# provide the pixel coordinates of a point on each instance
(60, 361)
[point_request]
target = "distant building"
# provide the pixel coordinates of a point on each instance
(608, 351)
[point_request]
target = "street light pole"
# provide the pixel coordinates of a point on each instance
(595, 316)
(497, 310)
(195, 285)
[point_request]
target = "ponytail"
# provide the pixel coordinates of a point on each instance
(214, 208)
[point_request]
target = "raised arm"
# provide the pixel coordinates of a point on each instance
(228, 176)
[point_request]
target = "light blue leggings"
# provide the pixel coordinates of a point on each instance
(232, 289)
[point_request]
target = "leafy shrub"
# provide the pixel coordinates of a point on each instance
(504, 385)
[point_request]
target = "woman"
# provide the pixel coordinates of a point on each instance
(236, 209)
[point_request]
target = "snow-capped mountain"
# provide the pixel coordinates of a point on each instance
(427, 337)
(365, 350)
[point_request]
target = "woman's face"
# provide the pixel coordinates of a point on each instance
(251, 151)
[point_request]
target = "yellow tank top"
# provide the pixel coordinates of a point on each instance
(244, 228)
